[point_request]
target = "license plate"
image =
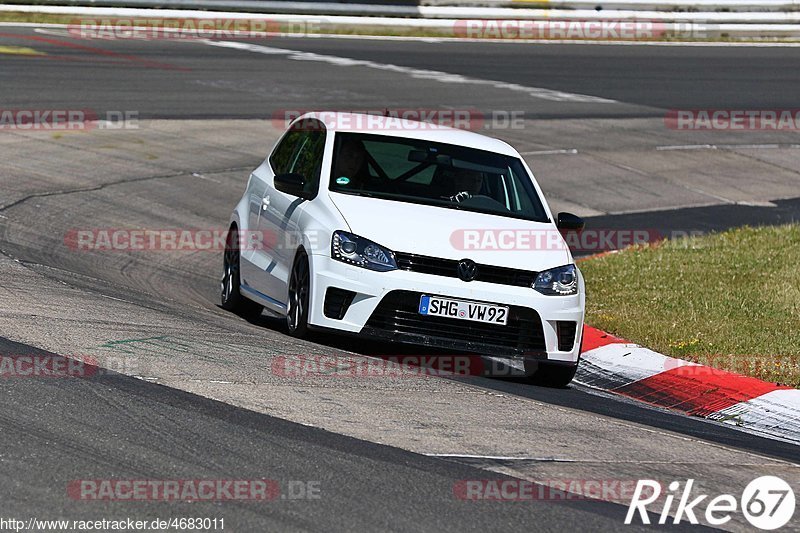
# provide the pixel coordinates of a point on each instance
(461, 310)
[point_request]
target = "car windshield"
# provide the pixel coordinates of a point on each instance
(431, 173)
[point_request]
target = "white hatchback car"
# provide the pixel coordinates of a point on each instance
(407, 232)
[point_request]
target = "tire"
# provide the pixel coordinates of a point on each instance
(553, 375)
(299, 291)
(557, 376)
(231, 298)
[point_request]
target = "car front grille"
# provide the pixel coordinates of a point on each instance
(449, 267)
(397, 318)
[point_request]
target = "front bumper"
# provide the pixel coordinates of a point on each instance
(384, 305)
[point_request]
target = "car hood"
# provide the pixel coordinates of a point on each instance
(454, 234)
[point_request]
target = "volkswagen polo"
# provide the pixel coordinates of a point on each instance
(407, 232)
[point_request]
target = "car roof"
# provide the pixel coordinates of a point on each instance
(339, 121)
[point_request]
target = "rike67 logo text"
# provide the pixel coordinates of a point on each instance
(768, 503)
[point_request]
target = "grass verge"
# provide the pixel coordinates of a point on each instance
(728, 300)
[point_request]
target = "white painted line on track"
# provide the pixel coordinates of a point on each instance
(569, 151)
(202, 177)
(56, 32)
(31, 25)
(773, 146)
(710, 194)
(756, 203)
(687, 147)
(434, 75)
(499, 457)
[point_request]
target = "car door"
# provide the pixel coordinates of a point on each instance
(256, 250)
(280, 212)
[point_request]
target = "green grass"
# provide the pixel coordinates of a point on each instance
(39, 18)
(730, 300)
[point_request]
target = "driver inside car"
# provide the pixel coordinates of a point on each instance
(351, 164)
(467, 183)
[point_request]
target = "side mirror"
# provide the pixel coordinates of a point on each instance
(291, 184)
(570, 222)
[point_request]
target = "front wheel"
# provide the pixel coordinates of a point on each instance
(231, 298)
(299, 289)
(553, 375)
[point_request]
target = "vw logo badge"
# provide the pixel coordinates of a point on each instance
(467, 269)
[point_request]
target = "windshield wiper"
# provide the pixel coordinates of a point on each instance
(356, 193)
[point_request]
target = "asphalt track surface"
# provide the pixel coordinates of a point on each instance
(368, 458)
(645, 77)
(136, 430)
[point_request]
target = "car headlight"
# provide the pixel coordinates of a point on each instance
(358, 251)
(561, 281)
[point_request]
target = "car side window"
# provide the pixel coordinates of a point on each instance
(281, 159)
(300, 152)
(308, 160)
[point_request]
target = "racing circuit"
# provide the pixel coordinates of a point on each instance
(194, 393)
